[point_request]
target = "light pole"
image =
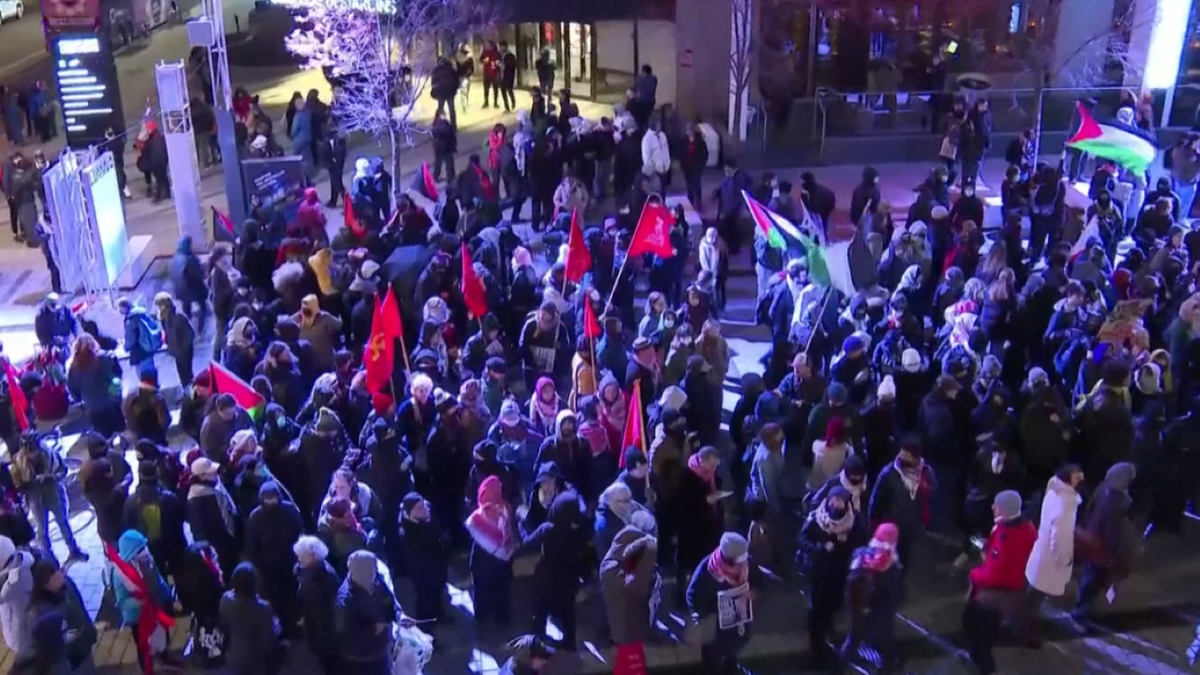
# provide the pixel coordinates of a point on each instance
(213, 40)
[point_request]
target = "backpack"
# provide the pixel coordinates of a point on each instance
(762, 311)
(150, 333)
(150, 521)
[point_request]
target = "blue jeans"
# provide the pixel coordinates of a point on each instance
(42, 504)
(1187, 195)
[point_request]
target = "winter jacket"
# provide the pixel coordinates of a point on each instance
(128, 547)
(357, 611)
(1005, 556)
(656, 154)
(824, 566)
(827, 462)
(318, 589)
(250, 629)
(97, 385)
(15, 592)
(702, 601)
(1053, 556)
(54, 323)
(628, 595)
(891, 501)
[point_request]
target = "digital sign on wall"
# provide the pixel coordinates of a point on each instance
(87, 87)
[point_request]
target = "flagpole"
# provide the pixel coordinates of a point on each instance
(404, 353)
(617, 279)
(641, 418)
(820, 319)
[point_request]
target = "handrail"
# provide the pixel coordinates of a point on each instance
(824, 92)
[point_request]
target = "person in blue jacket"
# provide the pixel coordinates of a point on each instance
(133, 549)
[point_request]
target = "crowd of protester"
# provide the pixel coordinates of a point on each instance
(531, 410)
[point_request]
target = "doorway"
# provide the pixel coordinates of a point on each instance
(570, 48)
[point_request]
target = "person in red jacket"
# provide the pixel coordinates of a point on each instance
(998, 585)
(490, 59)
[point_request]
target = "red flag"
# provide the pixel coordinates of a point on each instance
(631, 659)
(352, 221)
(591, 327)
(653, 232)
(225, 382)
(474, 294)
(380, 355)
(223, 227)
(634, 435)
(423, 183)
(579, 260)
(20, 404)
(393, 324)
(151, 617)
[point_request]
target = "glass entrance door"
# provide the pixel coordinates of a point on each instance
(578, 75)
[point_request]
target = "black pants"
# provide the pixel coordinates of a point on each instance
(491, 91)
(543, 209)
(12, 218)
(162, 184)
(442, 105)
(716, 661)
(183, 366)
(981, 626)
(823, 603)
(337, 188)
(510, 98)
(728, 227)
(556, 601)
(119, 168)
(55, 276)
(695, 191)
(1095, 580)
(443, 159)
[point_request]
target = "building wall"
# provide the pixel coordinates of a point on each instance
(702, 37)
(655, 47)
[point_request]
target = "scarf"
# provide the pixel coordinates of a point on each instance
(997, 462)
(596, 437)
(709, 476)
(878, 557)
(728, 573)
(914, 479)
(492, 522)
(238, 333)
(856, 491)
(544, 411)
(838, 528)
(485, 182)
(615, 412)
(151, 618)
(224, 501)
(347, 523)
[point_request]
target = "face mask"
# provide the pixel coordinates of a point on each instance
(669, 322)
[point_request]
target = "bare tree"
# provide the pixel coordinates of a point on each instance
(1103, 59)
(741, 54)
(380, 56)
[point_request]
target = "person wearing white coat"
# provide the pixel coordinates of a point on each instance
(1053, 558)
(656, 155)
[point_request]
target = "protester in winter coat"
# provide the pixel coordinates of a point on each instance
(998, 585)
(563, 541)
(569, 452)
(199, 587)
(158, 514)
(426, 549)
(630, 584)
(250, 625)
(212, 514)
(15, 592)
(494, 538)
(874, 591)
(720, 601)
(363, 615)
(902, 496)
(318, 587)
(1053, 557)
(829, 536)
(62, 628)
(1106, 542)
(615, 511)
(271, 529)
(143, 598)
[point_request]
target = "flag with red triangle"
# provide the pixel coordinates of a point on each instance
(473, 292)
(579, 259)
(379, 358)
(653, 232)
(225, 382)
(424, 184)
(393, 324)
(591, 327)
(223, 229)
(634, 435)
(351, 220)
(20, 404)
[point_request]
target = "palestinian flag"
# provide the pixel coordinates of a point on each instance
(779, 231)
(225, 382)
(223, 230)
(1127, 146)
(847, 266)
